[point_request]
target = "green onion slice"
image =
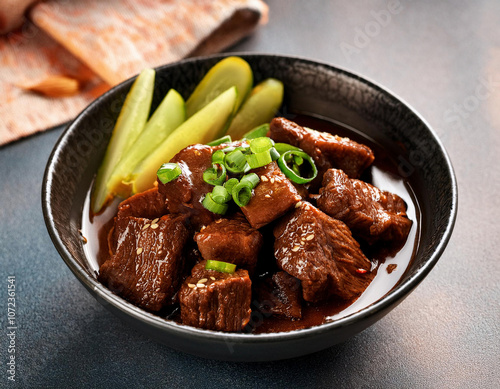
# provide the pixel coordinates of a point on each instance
(168, 172)
(217, 142)
(294, 172)
(218, 156)
(215, 175)
(252, 178)
(284, 147)
(235, 161)
(242, 193)
(274, 153)
(220, 195)
(258, 145)
(212, 206)
(257, 132)
(230, 184)
(259, 159)
(223, 267)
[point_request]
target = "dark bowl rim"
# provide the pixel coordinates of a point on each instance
(398, 293)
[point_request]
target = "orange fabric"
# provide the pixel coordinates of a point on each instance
(101, 43)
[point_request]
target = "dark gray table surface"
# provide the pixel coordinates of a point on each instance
(443, 59)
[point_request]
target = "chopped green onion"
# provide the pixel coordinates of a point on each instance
(274, 153)
(257, 132)
(224, 267)
(293, 173)
(284, 147)
(242, 193)
(211, 175)
(235, 161)
(230, 184)
(220, 195)
(217, 142)
(212, 206)
(218, 156)
(259, 159)
(258, 145)
(298, 160)
(252, 178)
(168, 172)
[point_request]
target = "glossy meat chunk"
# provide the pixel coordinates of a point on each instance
(321, 252)
(370, 213)
(327, 150)
(272, 197)
(146, 268)
(214, 300)
(185, 193)
(230, 240)
(148, 204)
(279, 295)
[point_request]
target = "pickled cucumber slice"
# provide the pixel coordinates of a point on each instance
(167, 117)
(259, 108)
(207, 124)
(231, 71)
(130, 123)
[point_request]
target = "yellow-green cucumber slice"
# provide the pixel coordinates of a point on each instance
(204, 126)
(259, 108)
(169, 115)
(130, 123)
(231, 71)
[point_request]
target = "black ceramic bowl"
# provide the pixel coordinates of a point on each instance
(312, 88)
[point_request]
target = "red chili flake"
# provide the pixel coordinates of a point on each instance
(361, 271)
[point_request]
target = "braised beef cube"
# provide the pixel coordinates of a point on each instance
(185, 193)
(230, 240)
(321, 252)
(216, 301)
(149, 204)
(279, 295)
(148, 261)
(272, 197)
(327, 150)
(370, 213)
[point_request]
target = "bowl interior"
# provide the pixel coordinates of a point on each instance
(310, 88)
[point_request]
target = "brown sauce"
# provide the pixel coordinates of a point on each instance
(389, 265)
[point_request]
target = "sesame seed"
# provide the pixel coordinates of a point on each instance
(264, 178)
(155, 220)
(192, 286)
(272, 180)
(212, 278)
(198, 285)
(298, 204)
(139, 250)
(146, 226)
(203, 280)
(309, 237)
(296, 248)
(154, 226)
(268, 196)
